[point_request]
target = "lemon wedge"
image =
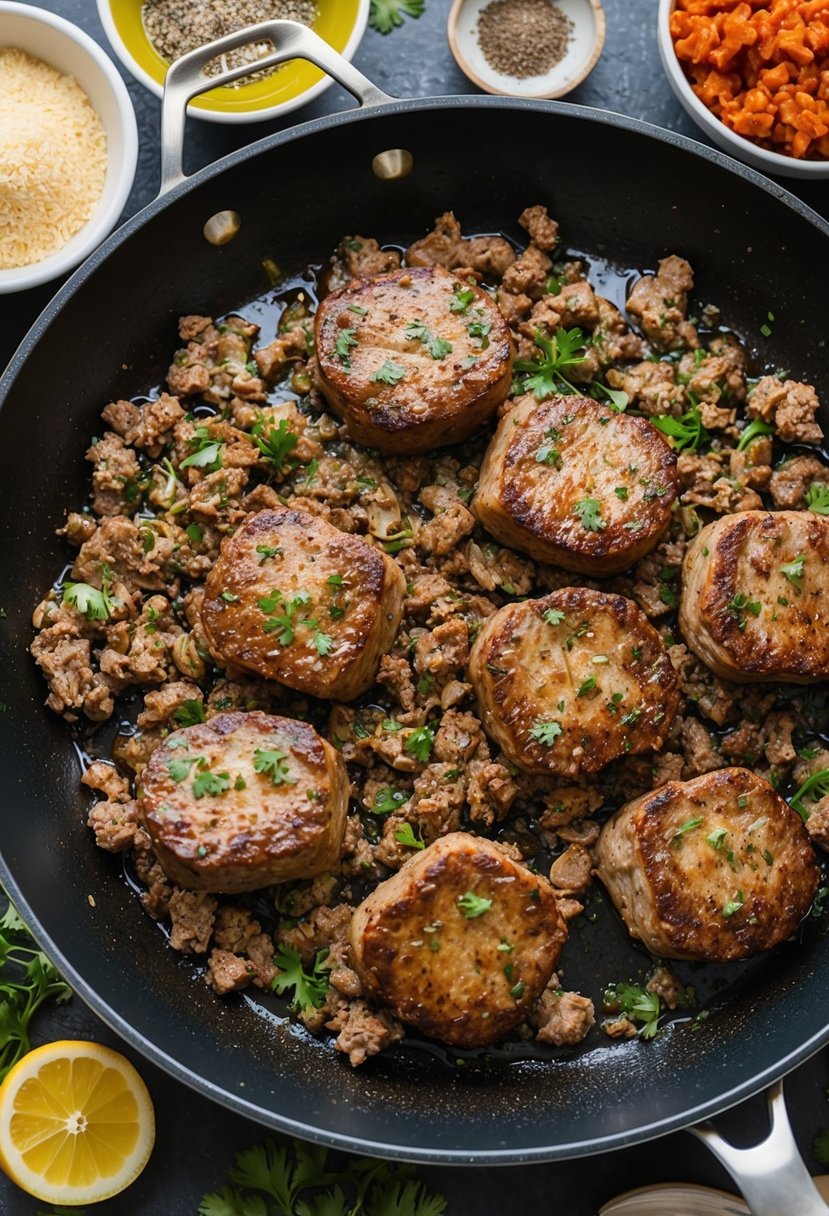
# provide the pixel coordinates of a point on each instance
(76, 1123)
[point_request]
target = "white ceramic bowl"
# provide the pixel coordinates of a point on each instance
(63, 46)
(736, 145)
(341, 24)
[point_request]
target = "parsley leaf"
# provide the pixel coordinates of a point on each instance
(309, 987)
(473, 905)
(589, 511)
(27, 981)
(553, 616)
(686, 432)
(733, 905)
(388, 373)
(405, 835)
(636, 1003)
(323, 642)
(793, 571)
(210, 783)
(282, 621)
(208, 453)
(546, 732)
(275, 442)
(439, 348)
(346, 338)
(461, 298)
(272, 763)
(755, 427)
(420, 742)
(558, 352)
(94, 604)
(179, 768)
(386, 15)
(739, 605)
(817, 498)
(190, 712)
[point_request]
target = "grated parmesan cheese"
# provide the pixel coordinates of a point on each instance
(53, 159)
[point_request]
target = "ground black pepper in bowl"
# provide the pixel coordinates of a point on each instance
(523, 38)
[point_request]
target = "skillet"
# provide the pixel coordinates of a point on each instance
(626, 193)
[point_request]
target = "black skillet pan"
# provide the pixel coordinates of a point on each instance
(623, 192)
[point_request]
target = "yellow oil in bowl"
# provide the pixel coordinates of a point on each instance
(335, 23)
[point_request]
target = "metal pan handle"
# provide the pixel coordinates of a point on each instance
(771, 1175)
(185, 79)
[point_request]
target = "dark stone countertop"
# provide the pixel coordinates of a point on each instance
(196, 1138)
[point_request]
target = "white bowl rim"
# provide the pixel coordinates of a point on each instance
(785, 165)
(228, 116)
(103, 220)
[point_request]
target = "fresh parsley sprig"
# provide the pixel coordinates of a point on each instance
(275, 442)
(386, 15)
(95, 604)
(308, 987)
(755, 428)
(685, 432)
(637, 1004)
(544, 377)
(27, 981)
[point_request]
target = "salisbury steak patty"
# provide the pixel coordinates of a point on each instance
(461, 942)
(717, 868)
(295, 600)
(244, 800)
(412, 360)
(571, 481)
(567, 683)
(755, 596)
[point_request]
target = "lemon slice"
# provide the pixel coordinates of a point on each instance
(76, 1123)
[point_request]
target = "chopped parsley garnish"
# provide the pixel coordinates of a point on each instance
(27, 980)
(439, 348)
(284, 620)
(210, 783)
(548, 453)
(546, 733)
(587, 686)
(179, 768)
(480, 330)
(276, 442)
(815, 787)
(95, 604)
(346, 339)
(420, 742)
(793, 571)
(473, 905)
(388, 373)
(733, 905)
(386, 15)
(630, 718)
(460, 299)
(388, 800)
(716, 838)
(621, 493)
(517, 990)
(543, 377)
(687, 826)
(190, 712)
(194, 534)
(266, 551)
(308, 987)
(272, 763)
(817, 498)
(553, 616)
(589, 511)
(739, 605)
(405, 835)
(208, 453)
(637, 1004)
(228, 596)
(686, 432)
(754, 429)
(323, 643)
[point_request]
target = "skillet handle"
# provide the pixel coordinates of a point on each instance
(290, 40)
(771, 1175)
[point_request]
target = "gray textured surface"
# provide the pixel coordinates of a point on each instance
(196, 1138)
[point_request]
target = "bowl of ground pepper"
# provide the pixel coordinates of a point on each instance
(149, 35)
(526, 48)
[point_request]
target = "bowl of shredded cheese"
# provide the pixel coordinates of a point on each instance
(149, 35)
(68, 146)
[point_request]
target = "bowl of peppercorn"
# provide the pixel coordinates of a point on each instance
(149, 35)
(526, 48)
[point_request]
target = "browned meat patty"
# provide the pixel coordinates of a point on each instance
(567, 683)
(461, 942)
(295, 600)
(244, 800)
(718, 868)
(755, 596)
(412, 360)
(571, 481)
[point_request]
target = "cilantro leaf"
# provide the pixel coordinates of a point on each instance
(309, 987)
(636, 1003)
(461, 298)
(558, 352)
(439, 348)
(388, 373)
(27, 981)
(179, 768)
(95, 604)
(346, 338)
(323, 643)
(473, 905)
(589, 511)
(190, 712)
(420, 742)
(817, 498)
(386, 15)
(230, 1202)
(686, 432)
(546, 732)
(209, 783)
(273, 763)
(276, 442)
(553, 616)
(793, 571)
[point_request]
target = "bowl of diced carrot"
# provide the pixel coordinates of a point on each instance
(754, 75)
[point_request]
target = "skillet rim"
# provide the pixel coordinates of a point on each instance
(98, 1004)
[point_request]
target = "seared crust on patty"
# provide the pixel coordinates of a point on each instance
(572, 481)
(465, 978)
(755, 596)
(295, 600)
(412, 360)
(567, 683)
(718, 868)
(244, 800)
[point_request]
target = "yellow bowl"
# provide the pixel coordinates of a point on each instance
(341, 23)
